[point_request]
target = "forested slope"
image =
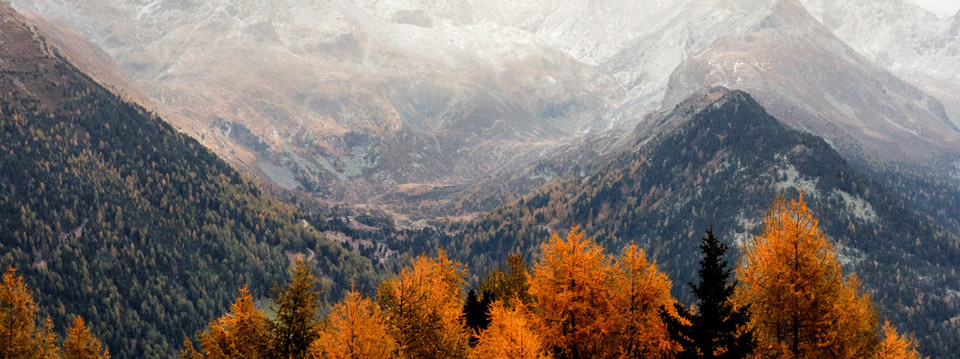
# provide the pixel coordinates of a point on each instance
(112, 214)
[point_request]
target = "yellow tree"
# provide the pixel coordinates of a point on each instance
(511, 334)
(571, 286)
(81, 344)
(802, 307)
(244, 332)
(355, 329)
(19, 335)
(422, 306)
(639, 290)
(189, 352)
(896, 346)
(46, 343)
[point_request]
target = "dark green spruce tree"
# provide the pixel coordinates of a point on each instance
(297, 324)
(717, 329)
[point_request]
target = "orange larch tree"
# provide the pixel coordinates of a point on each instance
(354, 329)
(19, 335)
(571, 286)
(244, 332)
(896, 346)
(638, 291)
(422, 306)
(81, 344)
(801, 304)
(511, 334)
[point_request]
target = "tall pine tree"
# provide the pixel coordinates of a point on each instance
(297, 324)
(718, 327)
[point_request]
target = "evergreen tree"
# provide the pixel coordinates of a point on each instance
(297, 324)
(476, 312)
(717, 328)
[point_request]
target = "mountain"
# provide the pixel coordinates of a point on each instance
(806, 76)
(902, 37)
(110, 213)
(345, 99)
(89, 59)
(414, 102)
(719, 159)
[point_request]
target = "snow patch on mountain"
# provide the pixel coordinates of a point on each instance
(858, 207)
(791, 179)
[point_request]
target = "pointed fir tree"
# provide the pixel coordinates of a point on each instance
(718, 328)
(297, 324)
(475, 312)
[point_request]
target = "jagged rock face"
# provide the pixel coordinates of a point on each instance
(803, 74)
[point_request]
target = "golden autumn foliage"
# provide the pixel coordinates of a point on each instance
(571, 285)
(355, 329)
(244, 332)
(19, 334)
(81, 344)
(17, 326)
(639, 290)
(511, 334)
(189, 352)
(591, 307)
(422, 305)
(802, 306)
(896, 346)
(22, 337)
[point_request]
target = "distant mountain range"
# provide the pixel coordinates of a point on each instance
(385, 101)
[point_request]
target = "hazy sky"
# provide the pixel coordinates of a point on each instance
(940, 7)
